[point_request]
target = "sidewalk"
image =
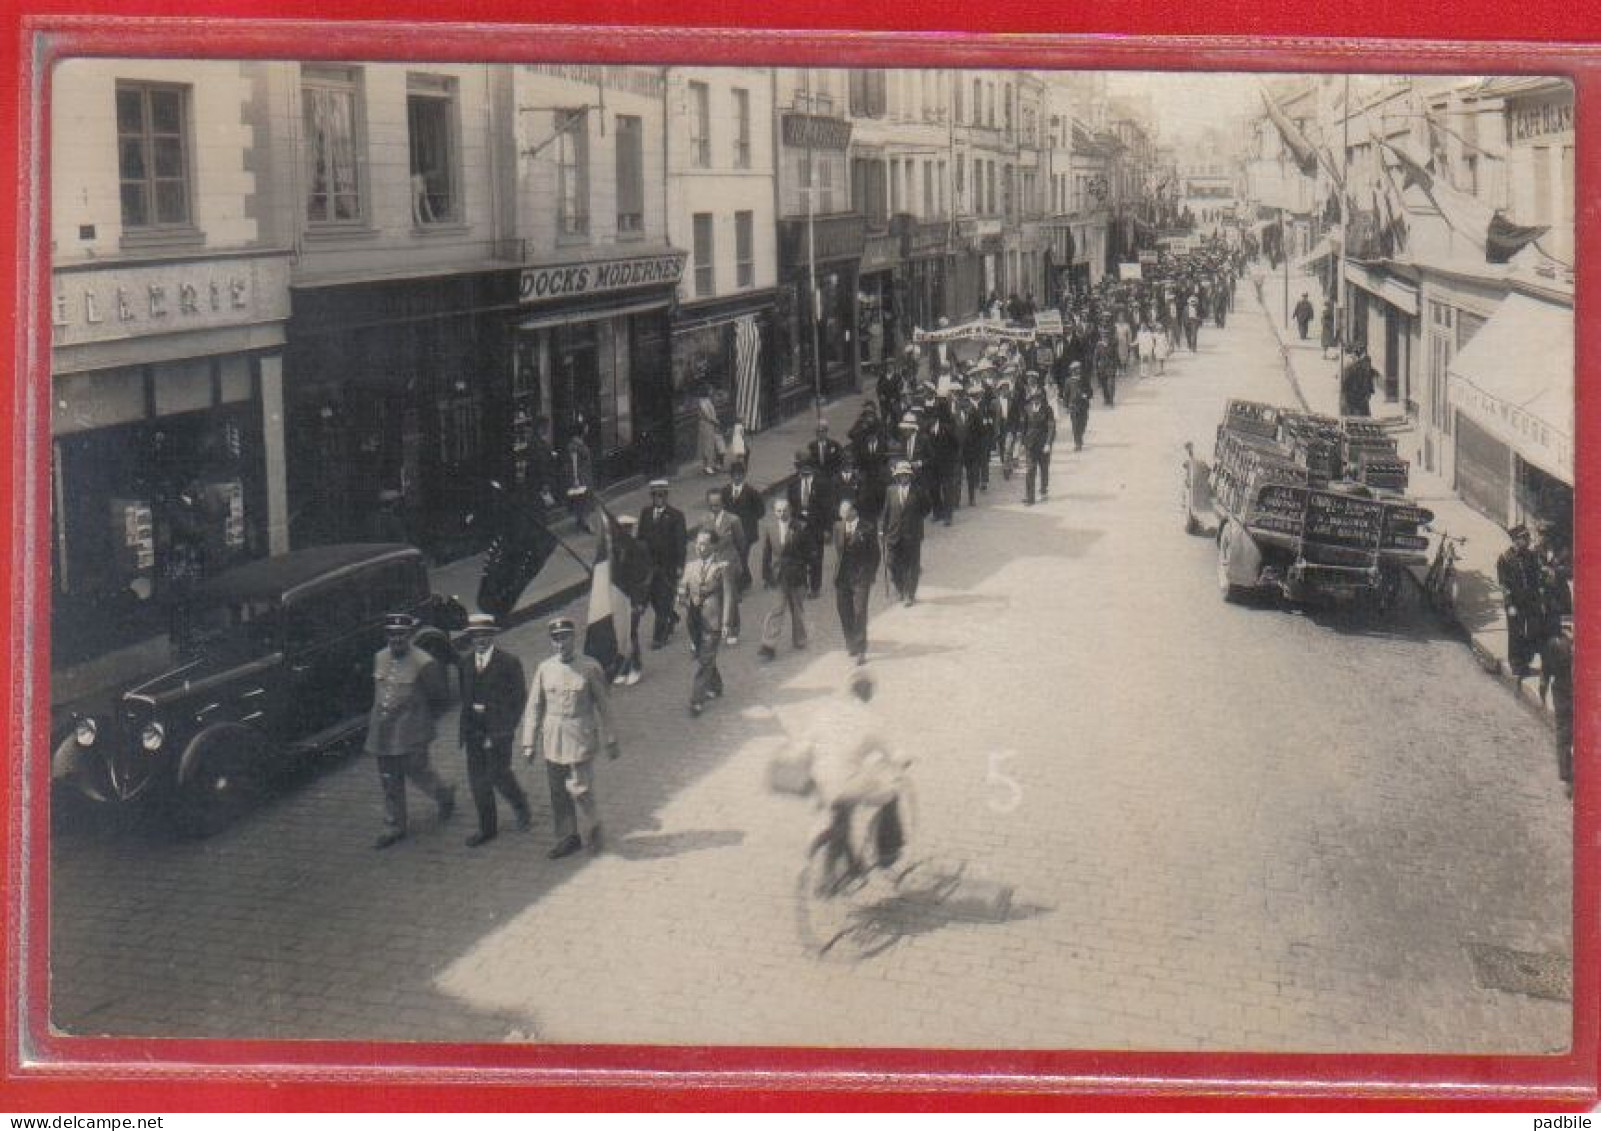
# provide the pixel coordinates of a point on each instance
(563, 578)
(1480, 608)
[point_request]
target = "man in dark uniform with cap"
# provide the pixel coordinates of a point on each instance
(1521, 576)
(409, 694)
(567, 719)
(1079, 399)
(494, 692)
(663, 532)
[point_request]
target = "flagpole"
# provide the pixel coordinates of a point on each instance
(1341, 288)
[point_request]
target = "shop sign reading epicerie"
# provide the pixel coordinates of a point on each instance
(110, 303)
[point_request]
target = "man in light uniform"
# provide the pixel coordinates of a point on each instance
(568, 718)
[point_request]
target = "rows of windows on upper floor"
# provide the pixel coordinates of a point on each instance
(156, 170)
(928, 96)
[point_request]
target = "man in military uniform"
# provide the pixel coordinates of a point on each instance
(567, 719)
(1039, 433)
(1521, 576)
(705, 593)
(662, 531)
(409, 693)
(904, 510)
(494, 692)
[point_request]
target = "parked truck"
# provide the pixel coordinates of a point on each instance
(1305, 506)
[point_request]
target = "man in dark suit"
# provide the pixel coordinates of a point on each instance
(745, 503)
(664, 533)
(494, 692)
(824, 452)
(812, 504)
(856, 545)
(784, 568)
(904, 509)
(945, 460)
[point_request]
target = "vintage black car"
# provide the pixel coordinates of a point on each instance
(276, 666)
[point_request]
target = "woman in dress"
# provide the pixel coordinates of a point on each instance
(709, 434)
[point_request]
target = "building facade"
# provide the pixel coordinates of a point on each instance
(721, 207)
(821, 238)
(170, 295)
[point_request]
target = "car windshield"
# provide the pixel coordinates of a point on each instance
(244, 626)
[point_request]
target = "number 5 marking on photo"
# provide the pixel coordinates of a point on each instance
(1011, 792)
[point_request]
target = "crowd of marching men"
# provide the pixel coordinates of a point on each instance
(937, 429)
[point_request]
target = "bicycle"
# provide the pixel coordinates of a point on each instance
(1440, 582)
(856, 877)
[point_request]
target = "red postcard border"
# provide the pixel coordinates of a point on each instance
(43, 1070)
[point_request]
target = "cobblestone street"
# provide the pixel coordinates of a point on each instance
(1222, 827)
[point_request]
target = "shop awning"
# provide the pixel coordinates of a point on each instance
(1325, 247)
(1515, 380)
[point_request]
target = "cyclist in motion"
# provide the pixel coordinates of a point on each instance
(861, 790)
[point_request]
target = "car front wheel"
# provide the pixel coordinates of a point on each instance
(221, 779)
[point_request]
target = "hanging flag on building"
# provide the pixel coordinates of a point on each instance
(1302, 150)
(1505, 239)
(747, 372)
(1466, 214)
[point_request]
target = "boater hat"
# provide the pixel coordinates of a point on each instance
(902, 468)
(659, 485)
(482, 623)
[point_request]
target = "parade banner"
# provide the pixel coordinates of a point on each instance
(975, 331)
(1131, 272)
(1049, 322)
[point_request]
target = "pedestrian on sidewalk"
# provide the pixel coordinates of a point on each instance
(579, 466)
(567, 719)
(1356, 384)
(784, 568)
(1329, 340)
(1520, 574)
(857, 558)
(738, 450)
(663, 533)
(709, 432)
(409, 695)
(904, 512)
(705, 593)
(1556, 666)
(1302, 314)
(1106, 370)
(494, 692)
(1192, 322)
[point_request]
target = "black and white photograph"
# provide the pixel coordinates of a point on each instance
(688, 555)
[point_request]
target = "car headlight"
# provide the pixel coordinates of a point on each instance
(152, 736)
(86, 731)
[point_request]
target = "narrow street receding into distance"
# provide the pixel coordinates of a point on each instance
(1224, 827)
